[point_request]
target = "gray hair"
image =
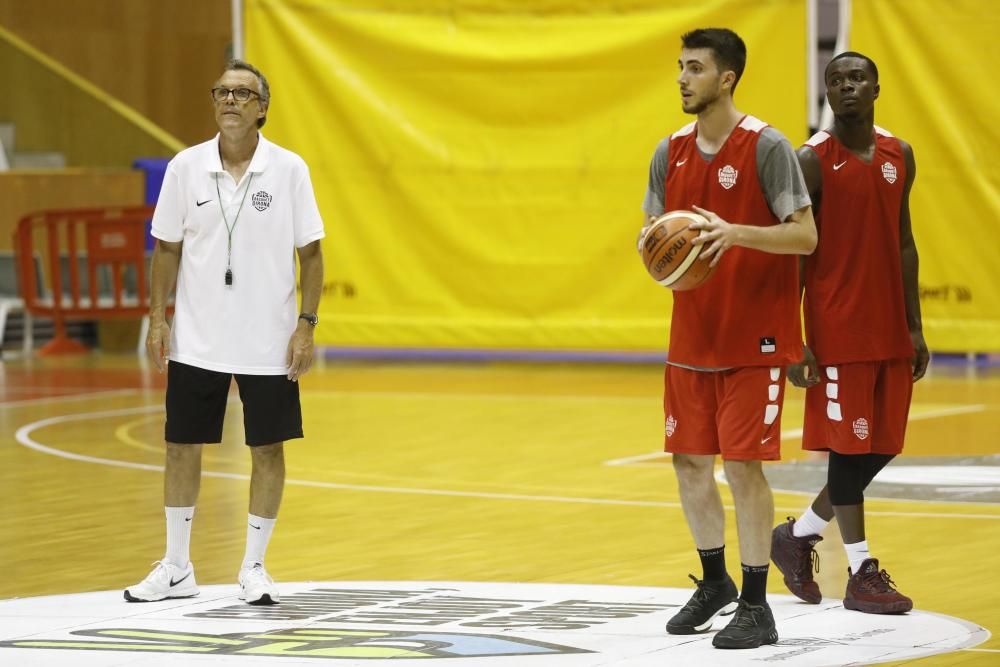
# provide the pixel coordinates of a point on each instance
(265, 90)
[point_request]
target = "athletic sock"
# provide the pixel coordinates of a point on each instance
(856, 554)
(179, 535)
(713, 563)
(754, 583)
(258, 535)
(809, 523)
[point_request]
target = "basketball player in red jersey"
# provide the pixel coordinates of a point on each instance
(730, 338)
(865, 343)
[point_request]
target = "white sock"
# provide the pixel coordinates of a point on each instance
(179, 535)
(258, 535)
(809, 523)
(856, 554)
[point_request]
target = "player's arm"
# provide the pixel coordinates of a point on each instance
(301, 345)
(806, 372)
(652, 204)
(910, 263)
(788, 199)
(164, 265)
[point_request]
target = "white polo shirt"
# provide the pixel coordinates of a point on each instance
(244, 328)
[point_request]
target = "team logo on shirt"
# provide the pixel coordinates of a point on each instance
(261, 200)
(671, 426)
(889, 171)
(861, 428)
(727, 176)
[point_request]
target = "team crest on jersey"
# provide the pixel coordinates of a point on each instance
(889, 171)
(861, 428)
(261, 200)
(671, 426)
(727, 176)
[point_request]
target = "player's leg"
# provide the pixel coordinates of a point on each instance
(271, 414)
(749, 432)
(689, 412)
(196, 407)
(870, 588)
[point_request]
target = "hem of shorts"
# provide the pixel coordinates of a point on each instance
(852, 452)
(228, 368)
(192, 442)
(271, 442)
(729, 457)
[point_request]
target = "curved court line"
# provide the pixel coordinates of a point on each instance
(123, 435)
(23, 436)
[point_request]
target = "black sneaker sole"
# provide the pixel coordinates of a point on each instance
(749, 642)
(727, 610)
(264, 600)
(131, 598)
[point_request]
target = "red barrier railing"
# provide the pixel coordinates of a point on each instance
(112, 237)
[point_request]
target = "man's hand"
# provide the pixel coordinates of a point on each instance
(300, 351)
(158, 342)
(921, 355)
(645, 230)
(805, 373)
(720, 234)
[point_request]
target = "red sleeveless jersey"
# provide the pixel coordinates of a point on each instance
(747, 313)
(854, 304)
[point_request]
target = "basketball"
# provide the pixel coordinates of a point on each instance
(670, 257)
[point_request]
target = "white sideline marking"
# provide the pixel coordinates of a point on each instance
(23, 436)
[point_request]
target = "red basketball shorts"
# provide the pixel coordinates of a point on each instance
(859, 408)
(736, 413)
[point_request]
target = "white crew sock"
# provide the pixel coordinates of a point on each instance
(856, 554)
(258, 535)
(809, 523)
(179, 535)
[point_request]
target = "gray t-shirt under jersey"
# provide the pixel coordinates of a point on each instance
(777, 170)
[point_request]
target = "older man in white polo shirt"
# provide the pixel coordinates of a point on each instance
(231, 216)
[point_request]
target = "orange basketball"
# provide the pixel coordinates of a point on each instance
(669, 255)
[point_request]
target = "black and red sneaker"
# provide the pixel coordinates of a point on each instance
(796, 558)
(872, 591)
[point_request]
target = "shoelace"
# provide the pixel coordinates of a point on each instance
(257, 572)
(745, 617)
(803, 572)
(878, 581)
(161, 567)
(700, 595)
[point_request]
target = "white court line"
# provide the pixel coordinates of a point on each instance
(23, 436)
(797, 432)
(60, 398)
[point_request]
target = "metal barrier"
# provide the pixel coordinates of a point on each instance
(87, 240)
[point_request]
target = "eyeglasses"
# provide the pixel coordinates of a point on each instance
(239, 94)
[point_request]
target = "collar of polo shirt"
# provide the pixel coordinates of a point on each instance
(258, 163)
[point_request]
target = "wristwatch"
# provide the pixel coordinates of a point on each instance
(311, 318)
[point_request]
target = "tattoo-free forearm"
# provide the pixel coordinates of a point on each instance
(163, 269)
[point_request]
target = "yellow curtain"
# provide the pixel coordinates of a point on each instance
(938, 93)
(481, 164)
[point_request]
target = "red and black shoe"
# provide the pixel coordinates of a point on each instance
(872, 591)
(796, 558)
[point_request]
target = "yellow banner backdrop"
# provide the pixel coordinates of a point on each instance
(480, 164)
(936, 62)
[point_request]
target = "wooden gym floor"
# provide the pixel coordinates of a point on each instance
(476, 471)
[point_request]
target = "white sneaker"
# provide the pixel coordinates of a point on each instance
(256, 586)
(166, 581)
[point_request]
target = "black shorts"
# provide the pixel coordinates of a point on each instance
(196, 406)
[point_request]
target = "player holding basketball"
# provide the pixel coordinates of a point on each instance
(233, 213)
(730, 338)
(865, 343)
